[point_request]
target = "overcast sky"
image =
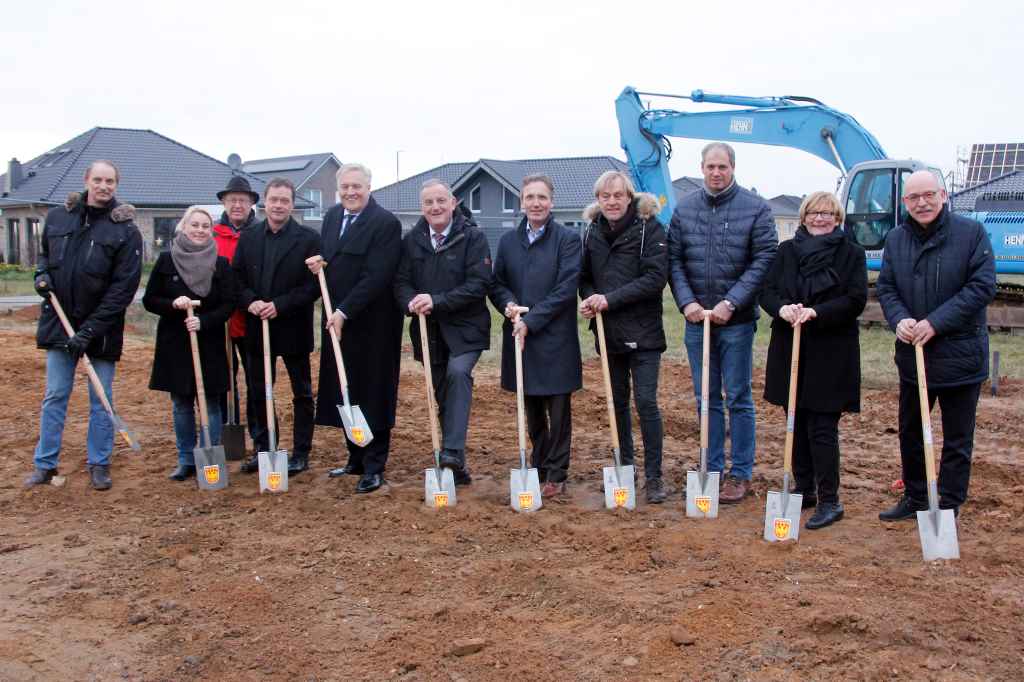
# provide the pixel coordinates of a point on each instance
(462, 80)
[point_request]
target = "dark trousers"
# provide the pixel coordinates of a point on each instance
(372, 458)
(453, 388)
(239, 358)
(816, 454)
(549, 423)
(302, 400)
(959, 405)
(643, 367)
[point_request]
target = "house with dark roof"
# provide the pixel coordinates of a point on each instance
(313, 175)
(159, 176)
(1004, 193)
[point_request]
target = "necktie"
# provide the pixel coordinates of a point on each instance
(438, 240)
(346, 221)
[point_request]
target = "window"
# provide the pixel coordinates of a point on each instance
(163, 233)
(474, 200)
(869, 207)
(35, 240)
(317, 198)
(13, 241)
(509, 201)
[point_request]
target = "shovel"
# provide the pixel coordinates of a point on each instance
(438, 482)
(274, 462)
(356, 428)
(232, 436)
(782, 509)
(619, 484)
(211, 468)
(702, 487)
(524, 483)
(97, 385)
(936, 527)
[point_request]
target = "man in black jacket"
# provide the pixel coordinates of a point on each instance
(445, 273)
(938, 276)
(625, 268)
(275, 285)
(91, 259)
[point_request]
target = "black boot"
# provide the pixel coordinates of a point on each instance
(297, 464)
(39, 477)
(906, 508)
(184, 471)
(654, 491)
(826, 514)
(99, 476)
(251, 466)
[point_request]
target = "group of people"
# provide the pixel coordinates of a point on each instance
(720, 256)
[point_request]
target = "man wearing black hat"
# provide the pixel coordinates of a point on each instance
(238, 200)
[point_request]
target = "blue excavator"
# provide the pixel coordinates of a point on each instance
(872, 183)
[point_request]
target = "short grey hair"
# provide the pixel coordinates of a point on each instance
(708, 148)
(104, 162)
(353, 167)
(610, 176)
(436, 182)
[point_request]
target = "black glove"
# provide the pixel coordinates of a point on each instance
(43, 284)
(78, 343)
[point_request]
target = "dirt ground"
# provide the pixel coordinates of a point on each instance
(156, 580)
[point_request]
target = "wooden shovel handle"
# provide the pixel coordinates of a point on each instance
(435, 436)
(705, 380)
(607, 380)
(231, 373)
(926, 417)
(94, 378)
(204, 416)
(794, 370)
(520, 387)
(335, 341)
(268, 387)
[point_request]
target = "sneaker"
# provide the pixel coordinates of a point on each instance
(654, 491)
(733, 490)
(906, 508)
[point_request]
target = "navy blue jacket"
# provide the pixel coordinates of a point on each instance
(543, 276)
(949, 278)
(720, 248)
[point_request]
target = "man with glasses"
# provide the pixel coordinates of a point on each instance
(938, 276)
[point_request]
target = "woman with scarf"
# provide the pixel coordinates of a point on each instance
(191, 270)
(819, 281)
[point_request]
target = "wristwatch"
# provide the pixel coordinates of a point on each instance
(729, 305)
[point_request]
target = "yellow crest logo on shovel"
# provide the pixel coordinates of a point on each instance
(358, 436)
(781, 527)
(621, 495)
(525, 500)
(211, 473)
(440, 500)
(703, 504)
(274, 481)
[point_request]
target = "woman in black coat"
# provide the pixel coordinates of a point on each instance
(818, 280)
(191, 270)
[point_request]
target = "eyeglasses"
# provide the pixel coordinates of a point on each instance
(823, 215)
(914, 198)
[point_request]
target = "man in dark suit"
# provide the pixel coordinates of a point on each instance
(275, 285)
(445, 274)
(361, 244)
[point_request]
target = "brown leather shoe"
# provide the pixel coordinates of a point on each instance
(733, 490)
(552, 490)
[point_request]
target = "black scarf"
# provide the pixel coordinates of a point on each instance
(816, 255)
(612, 229)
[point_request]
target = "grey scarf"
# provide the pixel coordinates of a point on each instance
(194, 263)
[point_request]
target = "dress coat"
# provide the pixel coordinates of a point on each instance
(544, 276)
(172, 359)
(829, 372)
(360, 272)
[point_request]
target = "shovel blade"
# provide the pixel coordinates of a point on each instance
(937, 530)
(619, 488)
(211, 468)
(702, 502)
(126, 433)
(273, 471)
(232, 437)
(439, 494)
(782, 523)
(356, 428)
(525, 490)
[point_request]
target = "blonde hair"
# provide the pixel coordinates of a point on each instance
(188, 215)
(610, 176)
(816, 198)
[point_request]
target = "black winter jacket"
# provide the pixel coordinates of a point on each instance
(720, 248)
(948, 279)
(95, 265)
(631, 273)
(457, 276)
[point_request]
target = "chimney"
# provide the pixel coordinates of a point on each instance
(13, 178)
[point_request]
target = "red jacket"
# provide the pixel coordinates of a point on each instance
(227, 241)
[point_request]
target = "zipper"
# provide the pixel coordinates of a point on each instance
(707, 255)
(89, 251)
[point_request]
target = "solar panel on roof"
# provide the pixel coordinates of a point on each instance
(275, 166)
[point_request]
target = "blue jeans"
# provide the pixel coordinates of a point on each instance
(732, 367)
(60, 380)
(185, 424)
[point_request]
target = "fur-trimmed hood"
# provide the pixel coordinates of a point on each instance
(120, 213)
(647, 207)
